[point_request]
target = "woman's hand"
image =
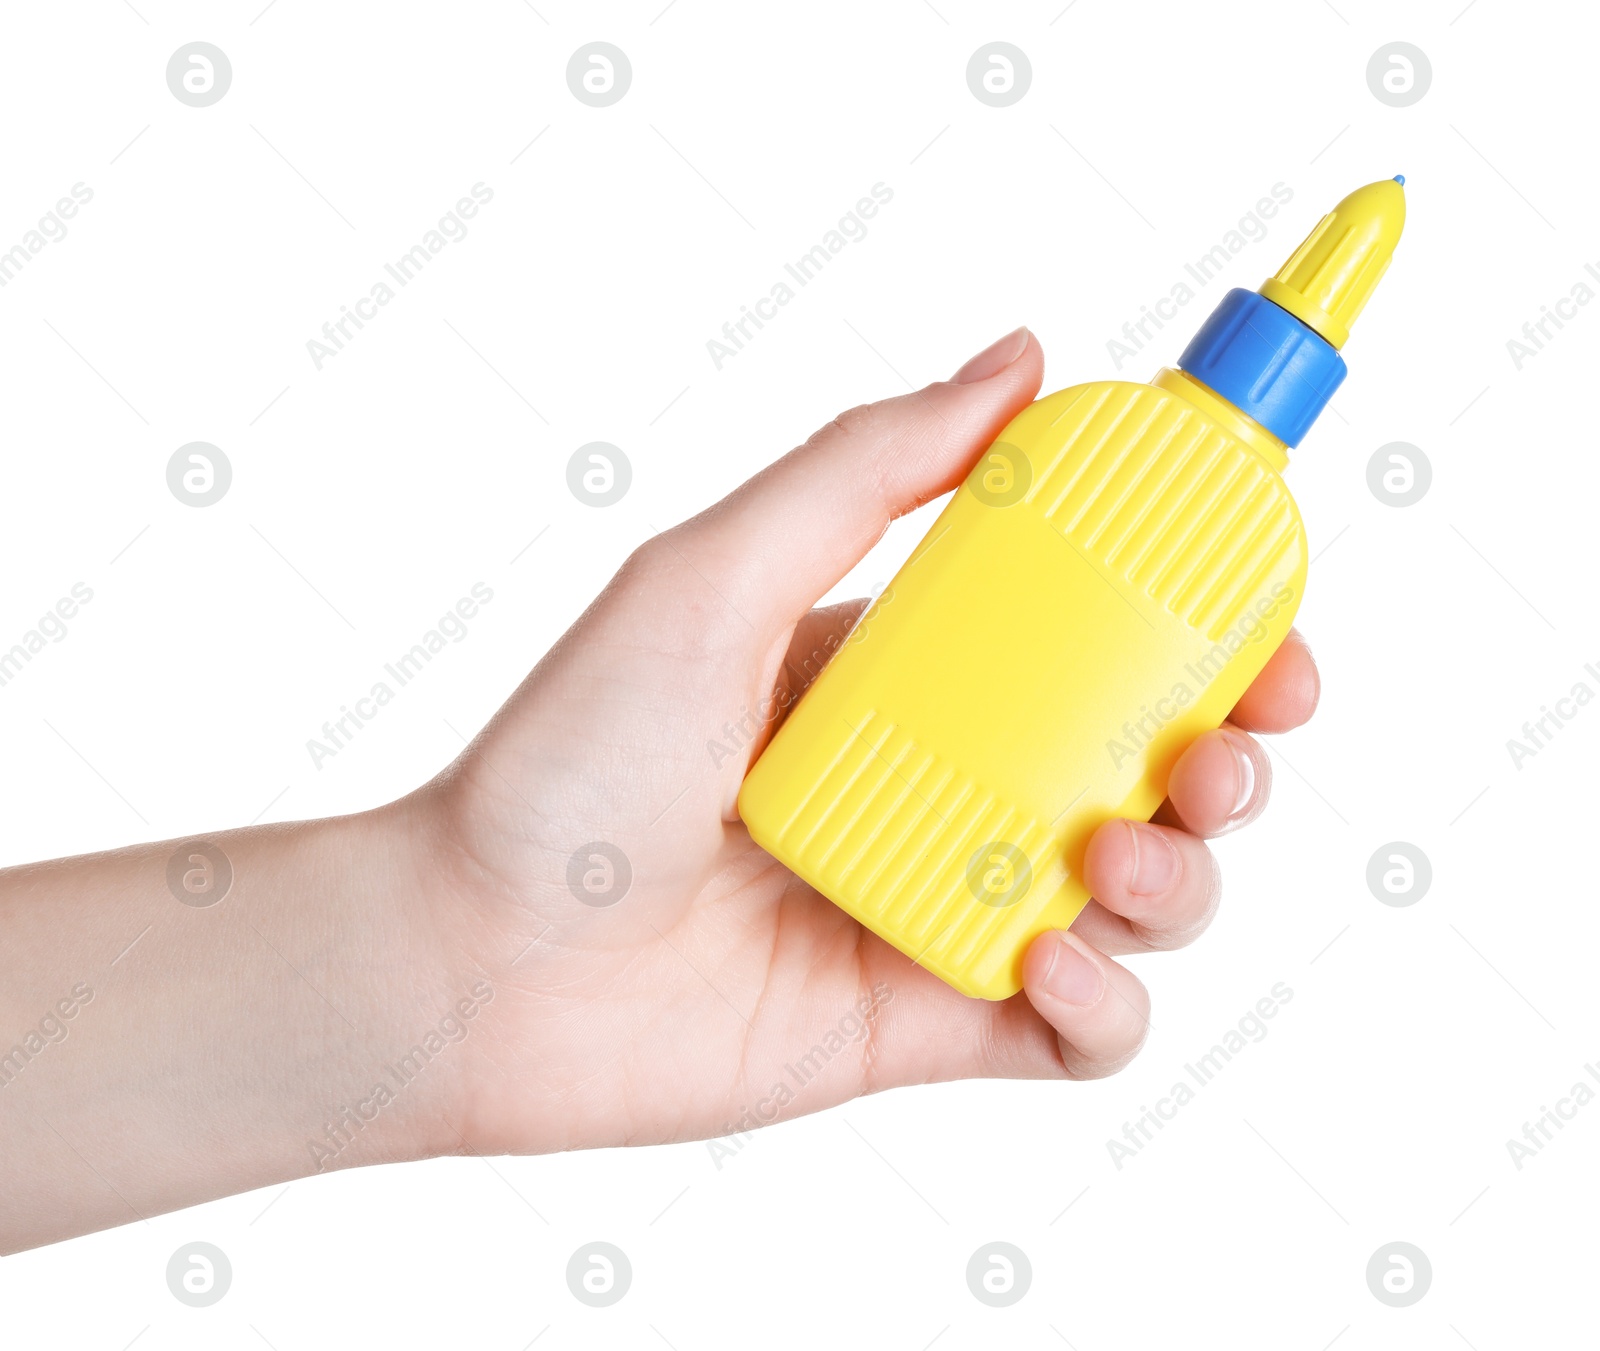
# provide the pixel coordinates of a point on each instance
(658, 976)
(568, 939)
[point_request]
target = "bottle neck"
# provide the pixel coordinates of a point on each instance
(1240, 425)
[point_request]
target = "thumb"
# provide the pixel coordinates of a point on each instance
(781, 540)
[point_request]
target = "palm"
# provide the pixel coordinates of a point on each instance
(700, 988)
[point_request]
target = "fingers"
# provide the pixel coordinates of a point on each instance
(1285, 694)
(1098, 1009)
(1155, 888)
(790, 533)
(1219, 784)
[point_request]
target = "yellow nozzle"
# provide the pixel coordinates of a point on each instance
(1328, 279)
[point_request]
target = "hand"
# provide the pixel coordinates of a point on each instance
(426, 978)
(676, 1012)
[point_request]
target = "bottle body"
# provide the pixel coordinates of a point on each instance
(1108, 581)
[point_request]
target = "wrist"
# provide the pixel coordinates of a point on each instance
(399, 1087)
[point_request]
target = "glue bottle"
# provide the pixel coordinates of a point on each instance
(1114, 572)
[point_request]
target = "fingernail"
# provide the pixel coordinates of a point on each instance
(993, 359)
(1245, 769)
(1155, 861)
(1072, 977)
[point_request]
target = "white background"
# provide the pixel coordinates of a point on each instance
(371, 494)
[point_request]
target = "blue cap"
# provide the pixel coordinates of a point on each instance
(1266, 363)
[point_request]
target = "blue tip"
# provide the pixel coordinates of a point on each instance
(1400, 179)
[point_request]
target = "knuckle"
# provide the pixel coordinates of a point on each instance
(1166, 938)
(647, 561)
(660, 560)
(1123, 1026)
(862, 420)
(662, 587)
(1188, 909)
(1081, 1065)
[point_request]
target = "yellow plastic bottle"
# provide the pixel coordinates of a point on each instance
(1115, 571)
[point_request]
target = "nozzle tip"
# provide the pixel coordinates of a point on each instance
(1328, 279)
